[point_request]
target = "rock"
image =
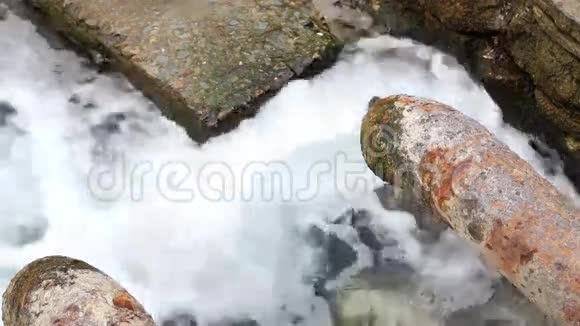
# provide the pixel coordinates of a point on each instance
(180, 319)
(337, 254)
(208, 64)
(3, 11)
(384, 297)
(23, 235)
(6, 111)
(344, 19)
(472, 16)
(526, 53)
(340, 255)
(74, 99)
(64, 291)
(390, 296)
(507, 307)
(235, 322)
(369, 239)
(484, 192)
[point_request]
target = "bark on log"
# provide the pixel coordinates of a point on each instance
(62, 291)
(485, 192)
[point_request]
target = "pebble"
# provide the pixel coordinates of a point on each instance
(6, 110)
(90, 106)
(369, 239)
(240, 322)
(110, 125)
(3, 11)
(74, 99)
(340, 256)
(27, 234)
(183, 319)
(87, 80)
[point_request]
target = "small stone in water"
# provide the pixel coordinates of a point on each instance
(116, 117)
(180, 320)
(360, 217)
(234, 322)
(58, 69)
(31, 234)
(500, 322)
(368, 238)
(340, 255)
(87, 80)
(74, 99)
(111, 127)
(103, 129)
(315, 236)
(3, 11)
(6, 110)
(296, 319)
(320, 289)
(90, 106)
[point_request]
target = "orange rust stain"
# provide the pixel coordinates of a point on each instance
(439, 174)
(498, 204)
(569, 275)
(571, 312)
(460, 173)
(526, 258)
(510, 245)
(436, 174)
(124, 300)
(408, 101)
(432, 107)
(178, 84)
(404, 101)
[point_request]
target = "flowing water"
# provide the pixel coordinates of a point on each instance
(222, 231)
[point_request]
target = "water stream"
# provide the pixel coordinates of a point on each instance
(90, 169)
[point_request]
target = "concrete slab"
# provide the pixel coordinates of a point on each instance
(208, 64)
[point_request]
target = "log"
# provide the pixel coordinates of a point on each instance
(485, 192)
(62, 291)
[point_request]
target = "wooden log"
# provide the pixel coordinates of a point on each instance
(485, 192)
(62, 291)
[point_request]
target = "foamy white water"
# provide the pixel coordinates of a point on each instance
(186, 228)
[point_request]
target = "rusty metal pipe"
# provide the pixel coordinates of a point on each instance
(483, 191)
(62, 291)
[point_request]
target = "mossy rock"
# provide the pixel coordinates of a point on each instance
(207, 64)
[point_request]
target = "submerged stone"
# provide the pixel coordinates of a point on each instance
(3, 11)
(236, 322)
(180, 319)
(207, 64)
(6, 110)
(337, 255)
(381, 297)
(340, 255)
